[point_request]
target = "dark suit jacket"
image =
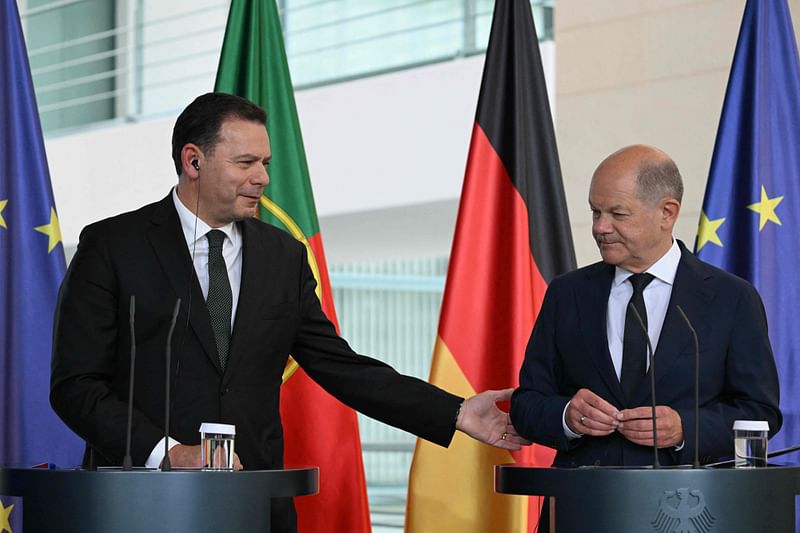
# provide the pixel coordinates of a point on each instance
(144, 254)
(568, 350)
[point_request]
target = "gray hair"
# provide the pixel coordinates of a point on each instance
(659, 179)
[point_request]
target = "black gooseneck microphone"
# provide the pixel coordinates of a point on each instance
(770, 455)
(165, 464)
(652, 359)
(127, 462)
(696, 463)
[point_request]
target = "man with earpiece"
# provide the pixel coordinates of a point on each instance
(247, 301)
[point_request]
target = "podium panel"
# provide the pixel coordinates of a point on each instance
(667, 500)
(72, 501)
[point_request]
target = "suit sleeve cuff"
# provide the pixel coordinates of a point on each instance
(571, 435)
(157, 455)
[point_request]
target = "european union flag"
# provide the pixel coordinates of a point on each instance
(31, 267)
(750, 224)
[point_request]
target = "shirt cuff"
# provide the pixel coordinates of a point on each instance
(157, 455)
(571, 435)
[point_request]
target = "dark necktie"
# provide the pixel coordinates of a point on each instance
(220, 296)
(634, 343)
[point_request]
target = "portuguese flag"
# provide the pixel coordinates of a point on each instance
(253, 65)
(512, 237)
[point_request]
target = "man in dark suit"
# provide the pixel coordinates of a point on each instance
(248, 302)
(584, 388)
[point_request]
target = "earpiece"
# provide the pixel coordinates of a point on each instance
(195, 164)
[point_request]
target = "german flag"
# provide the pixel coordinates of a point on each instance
(253, 65)
(512, 238)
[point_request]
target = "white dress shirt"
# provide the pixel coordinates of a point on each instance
(197, 242)
(656, 300)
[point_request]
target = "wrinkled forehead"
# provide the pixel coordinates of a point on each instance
(614, 179)
(246, 135)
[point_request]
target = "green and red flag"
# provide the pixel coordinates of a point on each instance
(253, 65)
(512, 238)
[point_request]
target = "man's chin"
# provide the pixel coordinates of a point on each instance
(249, 208)
(608, 256)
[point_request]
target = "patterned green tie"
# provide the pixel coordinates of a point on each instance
(220, 296)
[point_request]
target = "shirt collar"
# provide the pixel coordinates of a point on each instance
(188, 221)
(664, 269)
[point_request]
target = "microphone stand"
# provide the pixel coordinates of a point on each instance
(127, 462)
(165, 464)
(696, 463)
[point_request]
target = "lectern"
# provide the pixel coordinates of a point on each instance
(666, 500)
(72, 501)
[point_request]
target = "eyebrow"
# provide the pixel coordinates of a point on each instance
(615, 207)
(251, 157)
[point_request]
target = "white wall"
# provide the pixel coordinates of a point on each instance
(386, 156)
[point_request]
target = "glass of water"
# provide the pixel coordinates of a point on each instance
(750, 443)
(216, 441)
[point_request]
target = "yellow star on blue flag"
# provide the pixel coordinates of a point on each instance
(766, 209)
(3, 204)
(52, 230)
(5, 518)
(707, 231)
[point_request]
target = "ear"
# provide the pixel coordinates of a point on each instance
(190, 153)
(670, 209)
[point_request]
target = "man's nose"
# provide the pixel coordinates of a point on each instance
(601, 225)
(261, 177)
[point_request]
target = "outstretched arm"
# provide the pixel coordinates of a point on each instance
(481, 419)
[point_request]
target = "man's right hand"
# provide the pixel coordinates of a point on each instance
(183, 456)
(589, 414)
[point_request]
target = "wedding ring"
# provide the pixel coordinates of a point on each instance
(583, 417)
(504, 436)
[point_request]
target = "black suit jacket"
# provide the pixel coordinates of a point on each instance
(568, 350)
(144, 254)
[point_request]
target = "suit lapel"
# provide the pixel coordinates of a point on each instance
(168, 242)
(256, 269)
(676, 344)
(593, 325)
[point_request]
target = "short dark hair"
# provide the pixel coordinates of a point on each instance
(201, 121)
(659, 178)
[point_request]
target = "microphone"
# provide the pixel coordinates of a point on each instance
(91, 463)
(770, 455)
(784, 451)
(127, 462)
(652, 359)
(696, 463)
(165, 464)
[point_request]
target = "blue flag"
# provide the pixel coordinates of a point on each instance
(31, 267)
(750, 224)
